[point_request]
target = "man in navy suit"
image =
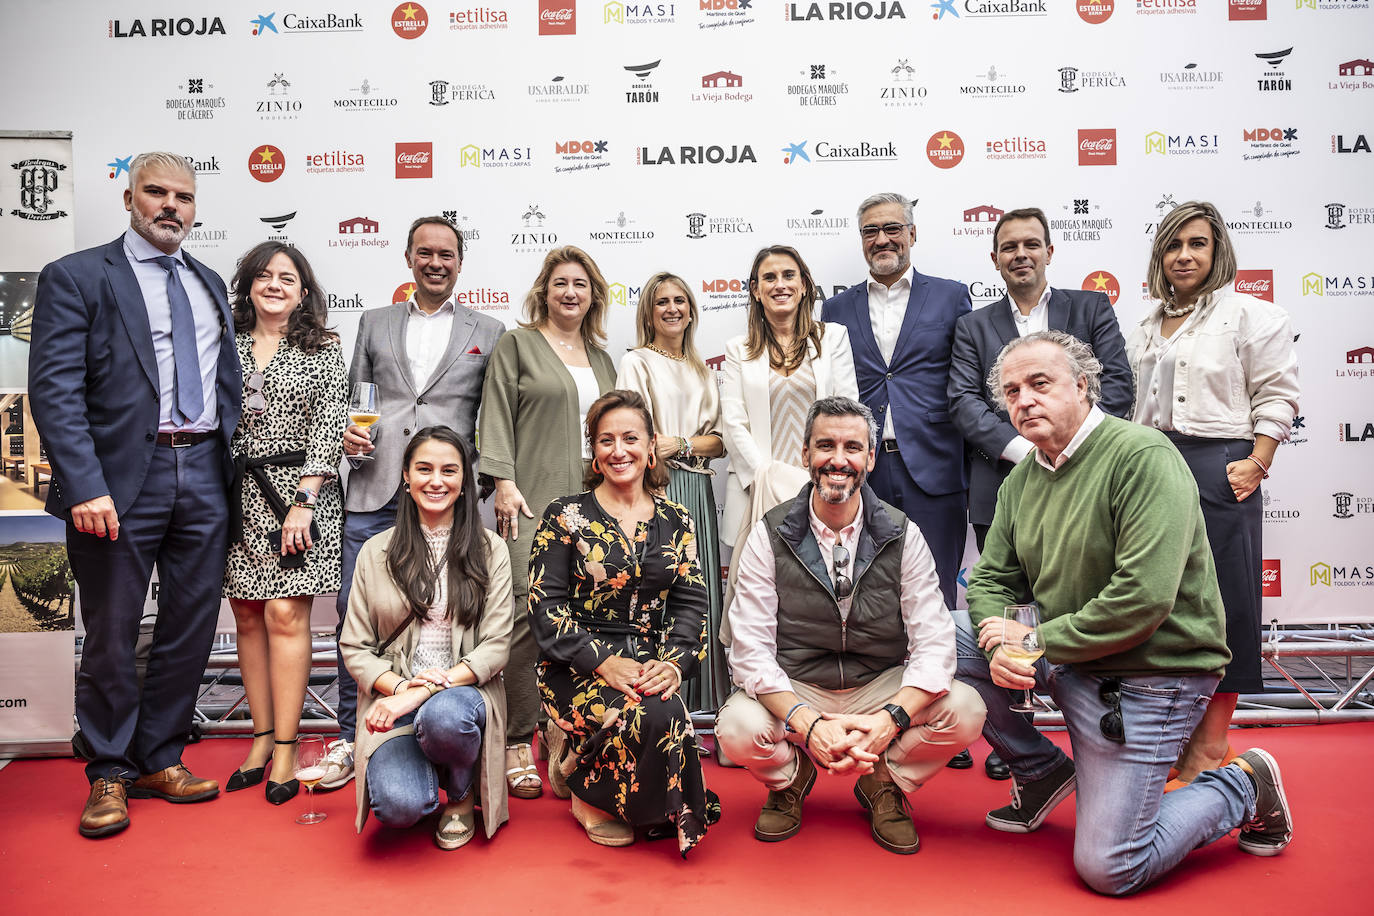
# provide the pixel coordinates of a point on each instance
(136, 387)
(1021, 251)
(901, 327)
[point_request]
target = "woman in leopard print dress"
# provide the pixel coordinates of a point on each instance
(286, 450)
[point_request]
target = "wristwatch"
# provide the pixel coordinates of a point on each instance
(899, 717)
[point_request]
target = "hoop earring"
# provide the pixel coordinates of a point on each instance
(653, 460)
(596, 468)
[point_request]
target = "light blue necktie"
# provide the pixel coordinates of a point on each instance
(189, 397)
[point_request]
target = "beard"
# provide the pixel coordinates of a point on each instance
(153, 230)
(836, 493)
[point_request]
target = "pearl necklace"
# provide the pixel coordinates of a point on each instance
(666, 355)
(1173, 312)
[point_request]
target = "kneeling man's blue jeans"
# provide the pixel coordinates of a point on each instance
(405, 774)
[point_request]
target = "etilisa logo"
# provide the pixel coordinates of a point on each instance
(183, 27)
(1247, 10)
(266, 163)
(621, 231)
(296, 24)
(409, 20)
(415, 160)
(442, 92)
(1097, 146)
(945, 149)
(722, 86)
(557, 17)
(902, 89)
(1157, 143)
(701, 226)
(1015, 147)
(1339, 216)
(845, 12)
(278, 103)
(1274, 79)
(819, 86)
(1349, 143)
(1257, 283)
(334, 162)
(574, 155)
(616, 13)
(734, 154)
(1270, 142)
(992, 84)
(716, 14)
(533, 235)
(365, 96)
(558, 89)
(642, 90)
(359, 232)
(1095, 12)
(1165, 7)
(495, 157)
(479, 18)
(1099, 281)
(1086, 223)
(197, 101)
(39, 186)
(1072, 79)
(1259, 220)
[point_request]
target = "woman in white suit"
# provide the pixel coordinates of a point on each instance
(773, 373)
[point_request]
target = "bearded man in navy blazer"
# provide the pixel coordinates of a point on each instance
(136, 388)
(901, 328)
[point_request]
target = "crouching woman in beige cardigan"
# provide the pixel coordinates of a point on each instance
(426, 636)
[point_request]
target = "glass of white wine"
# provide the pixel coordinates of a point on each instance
(363, 411)
(310, 754)
(1026, 649)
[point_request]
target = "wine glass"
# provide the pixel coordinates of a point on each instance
(310, 754)
(363, 411)
(1026, 650)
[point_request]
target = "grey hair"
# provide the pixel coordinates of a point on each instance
(1077, 354)
(837, 406)
(887, 197)
(160, 159)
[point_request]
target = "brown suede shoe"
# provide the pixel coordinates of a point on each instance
(780, 818)
(174, 784)
(889, 814)
(107, 809)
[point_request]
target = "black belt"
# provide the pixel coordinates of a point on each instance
(182, 438)
(243, 465)
(889, 445)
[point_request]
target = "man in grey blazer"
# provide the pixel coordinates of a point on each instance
(1021, 251)
(428, 358)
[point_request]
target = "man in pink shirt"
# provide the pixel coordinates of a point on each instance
(842, 645)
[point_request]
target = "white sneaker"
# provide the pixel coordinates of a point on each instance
(338, 765)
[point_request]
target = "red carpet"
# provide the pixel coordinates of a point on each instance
(238, 854)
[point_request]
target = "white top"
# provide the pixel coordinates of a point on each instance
(427, 339)
(434, 648)
(886, 309)
(1158, 363)
(681, 402)
(587, 392)
(753, 614)
(1037, 320)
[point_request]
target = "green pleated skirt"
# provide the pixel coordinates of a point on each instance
(708, 690)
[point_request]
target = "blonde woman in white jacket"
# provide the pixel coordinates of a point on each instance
(1216, 372)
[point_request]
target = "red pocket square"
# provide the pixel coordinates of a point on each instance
(475, 351)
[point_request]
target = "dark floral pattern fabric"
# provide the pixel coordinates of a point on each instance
(595, 592)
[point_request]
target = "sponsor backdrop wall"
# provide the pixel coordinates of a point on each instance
(686, 135)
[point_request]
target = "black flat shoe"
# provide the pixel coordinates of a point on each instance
(961, 761)
(245, 779)
(996, 767)
(279, 793)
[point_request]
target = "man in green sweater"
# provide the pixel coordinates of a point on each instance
(1100, 526)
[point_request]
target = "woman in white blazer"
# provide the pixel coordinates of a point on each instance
(773, 373)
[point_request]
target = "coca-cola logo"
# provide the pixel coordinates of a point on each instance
(1257, 283)
(557, 17)
(1248, 10)
(414, 160)
(1271, 579)
(1097, 146)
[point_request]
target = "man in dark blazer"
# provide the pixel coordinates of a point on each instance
(136, 387)
(1021, 251)
(901, 326)
(428, 358)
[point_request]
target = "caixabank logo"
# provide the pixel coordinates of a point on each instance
(715, 154)
(844, 12)
(840, 151)
(987, 9)
(293, 23)
(180, 27)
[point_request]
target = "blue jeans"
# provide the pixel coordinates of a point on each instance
(405, 774)
(1018, 742)
(1128, 831)
(357, 528)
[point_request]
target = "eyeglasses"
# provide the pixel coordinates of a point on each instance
(891, 230)
(256, 401)
(1113, 728)
(844, 586)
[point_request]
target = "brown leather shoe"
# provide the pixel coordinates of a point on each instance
(107, 809)
(780, 818)
(174, 784)
(889, 814)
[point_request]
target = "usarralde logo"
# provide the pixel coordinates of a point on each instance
(266, 163)
(945, 149)
(409, 20)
